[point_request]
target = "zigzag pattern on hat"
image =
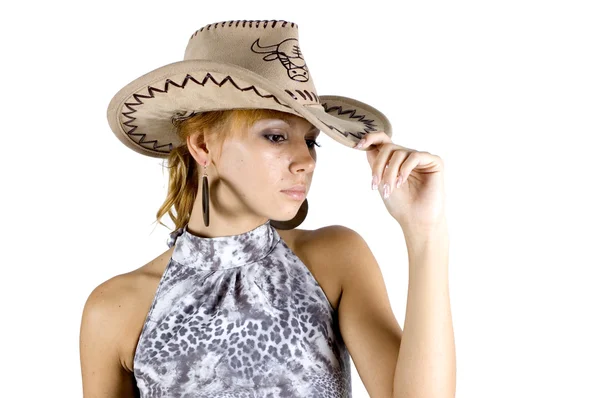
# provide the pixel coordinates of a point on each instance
(153, 144)
(151, 90)
(369, 123)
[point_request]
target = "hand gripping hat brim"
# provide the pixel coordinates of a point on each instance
(234, 65)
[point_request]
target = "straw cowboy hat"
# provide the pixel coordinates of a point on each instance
(235, 65)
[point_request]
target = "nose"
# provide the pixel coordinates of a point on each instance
(301, 158)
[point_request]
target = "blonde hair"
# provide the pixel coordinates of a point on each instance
(215, 127)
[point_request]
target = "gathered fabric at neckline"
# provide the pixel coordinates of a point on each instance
(222, 252)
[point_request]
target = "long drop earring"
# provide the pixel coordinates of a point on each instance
(205, 196)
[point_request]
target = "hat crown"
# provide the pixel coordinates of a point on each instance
(269, 48)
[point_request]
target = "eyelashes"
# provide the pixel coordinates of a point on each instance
(311, 143)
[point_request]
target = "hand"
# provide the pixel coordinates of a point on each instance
(419, 201)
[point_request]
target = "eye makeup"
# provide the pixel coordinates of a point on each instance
(311, 141)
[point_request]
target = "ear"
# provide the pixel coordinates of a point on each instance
(199, 151)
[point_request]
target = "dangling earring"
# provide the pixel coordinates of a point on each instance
(205, 196)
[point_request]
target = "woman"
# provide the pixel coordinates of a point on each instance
(243, 303)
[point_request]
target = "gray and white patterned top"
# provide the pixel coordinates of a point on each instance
(240, 316)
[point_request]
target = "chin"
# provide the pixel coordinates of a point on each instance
(295, 207)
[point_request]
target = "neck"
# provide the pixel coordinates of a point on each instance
(220, 223)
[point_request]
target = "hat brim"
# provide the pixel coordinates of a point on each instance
(141, 113)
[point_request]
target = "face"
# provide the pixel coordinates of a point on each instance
(277, 154)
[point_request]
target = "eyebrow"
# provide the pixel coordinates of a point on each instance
(311, 129)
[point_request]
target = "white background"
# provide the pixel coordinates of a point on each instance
(506, 92)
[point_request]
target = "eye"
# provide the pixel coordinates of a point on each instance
(311, 143)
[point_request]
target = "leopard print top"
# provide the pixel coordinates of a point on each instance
(240, 316)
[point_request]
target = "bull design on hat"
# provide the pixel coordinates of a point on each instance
(289, 54)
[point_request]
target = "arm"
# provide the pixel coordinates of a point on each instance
(367, 323)
(419, 361)
(103, 374)
(426, 365)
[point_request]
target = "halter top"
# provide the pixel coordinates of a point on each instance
(239, 316)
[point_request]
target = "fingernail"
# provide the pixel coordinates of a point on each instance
(374, 183)
(386, 190)
(399, 181)
(360, 143)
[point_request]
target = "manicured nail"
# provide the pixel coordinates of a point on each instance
(360, 143)
(399, 181)
(386, 190)
(374, 183)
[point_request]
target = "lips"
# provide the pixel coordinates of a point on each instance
(296, 188)
(296, 195)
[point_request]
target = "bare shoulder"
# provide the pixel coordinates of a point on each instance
(324, 252)
(121, 296)
(340, 246)
(321, 236)
(332, 238)
(109, 300)
(109, 306)
(103, 324)
(119, 305)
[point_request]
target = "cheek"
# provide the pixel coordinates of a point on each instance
(252, 166)
(252, 170)
(268, 172)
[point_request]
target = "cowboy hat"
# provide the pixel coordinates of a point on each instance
(234, 65)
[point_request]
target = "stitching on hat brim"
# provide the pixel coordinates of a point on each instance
(139, 98)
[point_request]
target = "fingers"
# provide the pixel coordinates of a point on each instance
(396, 173)
(377, 145)
(385, 162)
(385, 166)
(391, 164)
(375, 137)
